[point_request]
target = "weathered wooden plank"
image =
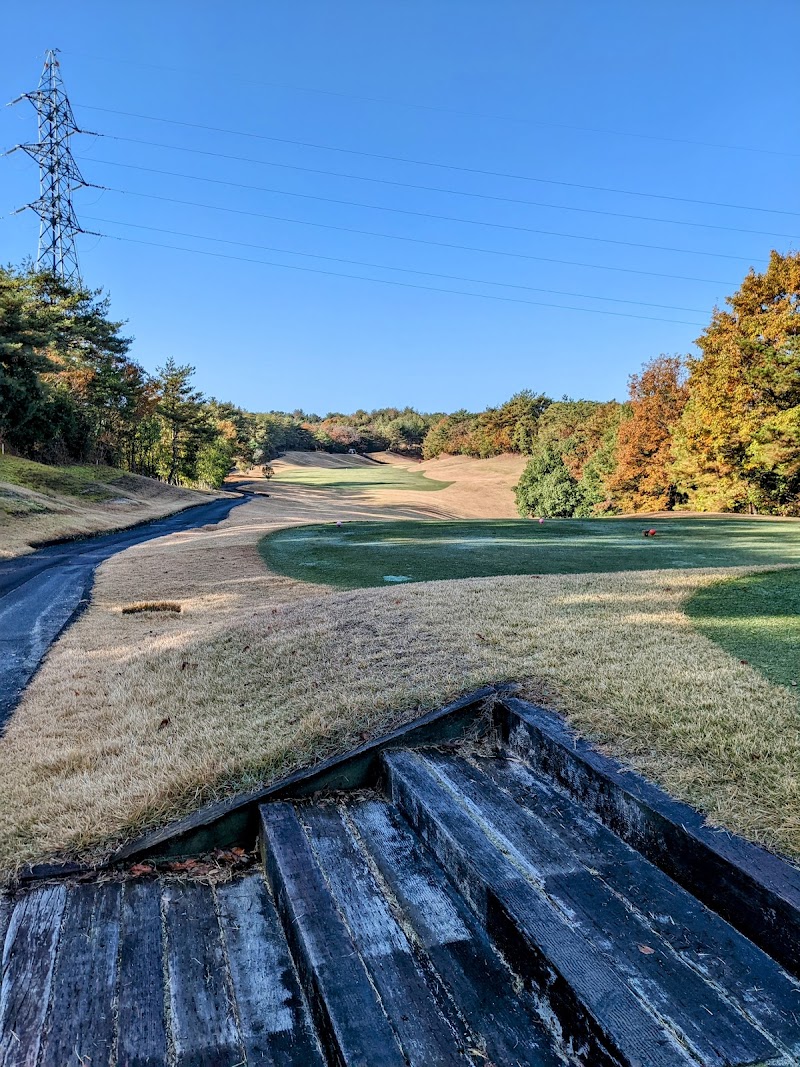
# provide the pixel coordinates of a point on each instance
(235, 821)
(594, 1006)
(28, 958)
(142, 1040)
(274, 1022)
(80, 1028)
(752, 889)
(503, 1021)
(204, 1030)
(426, 1038)
(717, 1032)
(746, 974)
(353, 1026)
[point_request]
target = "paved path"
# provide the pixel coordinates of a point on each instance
(40, 593)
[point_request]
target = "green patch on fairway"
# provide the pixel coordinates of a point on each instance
(756, 618)
(378, 476)
(381, 553)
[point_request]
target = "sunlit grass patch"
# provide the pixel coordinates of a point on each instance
(376, 476)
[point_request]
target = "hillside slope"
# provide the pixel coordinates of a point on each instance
(467, 488)
(39, 503)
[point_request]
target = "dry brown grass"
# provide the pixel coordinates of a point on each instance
(260, 674)
(30, 517)
(151, 605)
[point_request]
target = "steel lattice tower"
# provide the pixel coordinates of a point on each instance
(59, 175)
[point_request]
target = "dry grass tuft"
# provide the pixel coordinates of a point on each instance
(135, 719)
(151, 605)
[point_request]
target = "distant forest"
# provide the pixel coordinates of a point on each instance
(719, 431)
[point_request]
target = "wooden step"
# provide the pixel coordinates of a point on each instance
(687, 1001)
(743, 973)
(752, 889)
(428, 1038)
(503, 1020)
(150, 972)
(353, 1027)
(554, 922)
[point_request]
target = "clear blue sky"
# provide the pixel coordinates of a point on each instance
(688, 100)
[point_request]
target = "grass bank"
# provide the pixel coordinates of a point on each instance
(755, 618)
(358, 554)
(137, 718)
(39, 502)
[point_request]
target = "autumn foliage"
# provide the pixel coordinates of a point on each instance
(643, 478)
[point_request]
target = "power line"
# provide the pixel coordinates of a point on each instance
(404, 270)
(421, 214)
(443, 166)
(463, 114)
(405, 285)
(417, 240)
(456, 192)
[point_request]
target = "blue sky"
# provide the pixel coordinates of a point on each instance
(691, 101)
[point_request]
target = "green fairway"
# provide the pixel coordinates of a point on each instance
(756, 618)
(379, 476)
(380, 553)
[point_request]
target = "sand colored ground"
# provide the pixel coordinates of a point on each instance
(82, 501)
(480, 489)
(136, 718)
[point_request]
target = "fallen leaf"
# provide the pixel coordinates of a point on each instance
(646, 950)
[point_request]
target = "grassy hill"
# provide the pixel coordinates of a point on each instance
(39, 502)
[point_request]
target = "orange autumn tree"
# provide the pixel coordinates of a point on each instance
(738, 443)
(643, 478)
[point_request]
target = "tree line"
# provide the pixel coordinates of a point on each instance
(715, 431)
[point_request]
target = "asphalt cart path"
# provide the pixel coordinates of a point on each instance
(42, 592)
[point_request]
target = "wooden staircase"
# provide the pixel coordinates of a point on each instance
(471, 910)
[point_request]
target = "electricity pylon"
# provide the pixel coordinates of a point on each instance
(59, 175)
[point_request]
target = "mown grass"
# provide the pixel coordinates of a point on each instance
(755, 618)
(364, 554)
(377, 476)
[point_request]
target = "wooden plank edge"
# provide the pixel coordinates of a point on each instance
(234, 820)
(756, 891)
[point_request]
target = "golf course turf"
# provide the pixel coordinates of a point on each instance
(376, 476)
(360, 554)
(755, 618)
